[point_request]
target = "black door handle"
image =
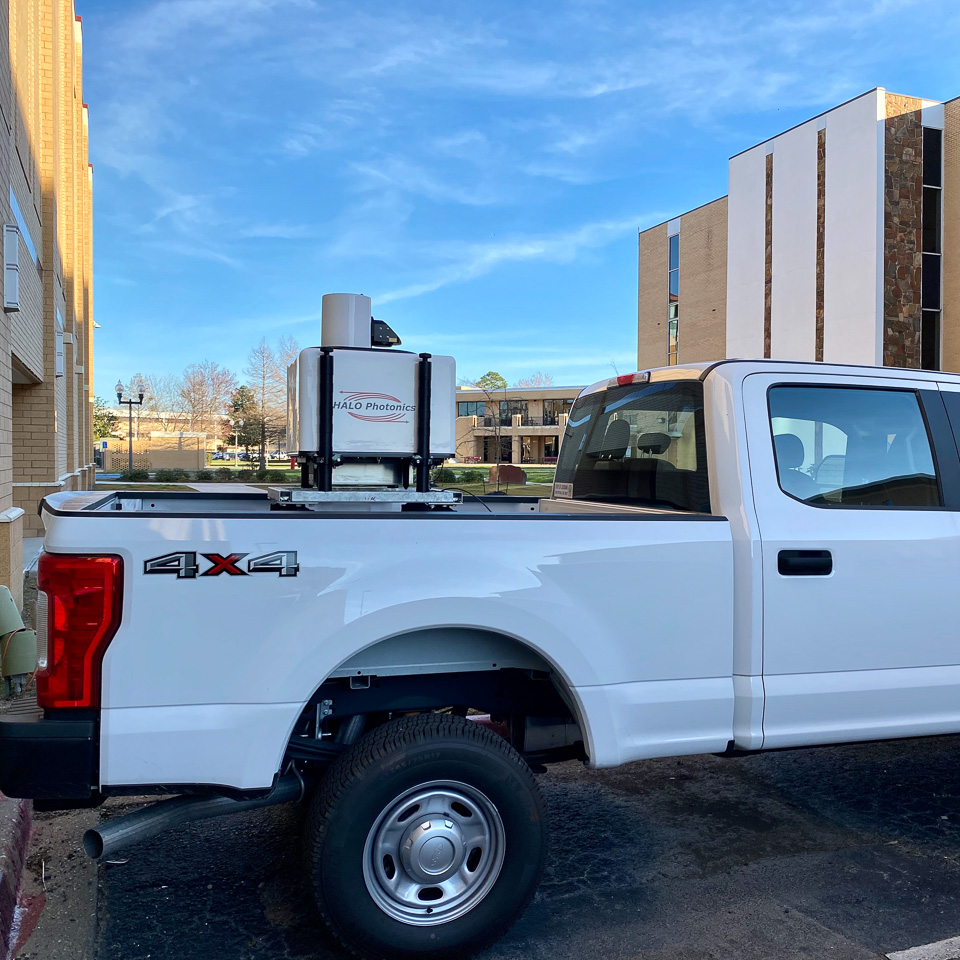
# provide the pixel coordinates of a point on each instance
(805, 563)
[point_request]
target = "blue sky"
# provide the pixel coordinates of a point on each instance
(479, 168)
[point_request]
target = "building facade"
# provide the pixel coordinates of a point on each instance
(525, 424)
(46, 349)
(839, 241)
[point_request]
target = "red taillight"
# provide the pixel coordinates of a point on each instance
(626, 379)
(83, 615)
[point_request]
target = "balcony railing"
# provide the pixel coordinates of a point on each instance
(518, 420)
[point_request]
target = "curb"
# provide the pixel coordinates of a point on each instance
(16, 826)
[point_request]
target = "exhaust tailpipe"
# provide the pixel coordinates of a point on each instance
(123, 831)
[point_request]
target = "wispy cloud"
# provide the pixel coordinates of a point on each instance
(409, 177)
(476, 260)
(276, 231)
(410, 147)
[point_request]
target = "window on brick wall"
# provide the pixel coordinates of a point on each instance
(930, 275)
(673, 300)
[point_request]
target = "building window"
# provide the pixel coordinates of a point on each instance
(932, 157)
(930, 281)
(510, 408)
(930, 340)
(471, 408)
(673, 300)
(553, 409)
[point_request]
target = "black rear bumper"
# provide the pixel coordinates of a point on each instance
(49, 758)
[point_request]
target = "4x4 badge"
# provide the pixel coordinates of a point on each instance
(184, 566)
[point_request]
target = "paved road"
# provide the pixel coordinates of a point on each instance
(841, 852)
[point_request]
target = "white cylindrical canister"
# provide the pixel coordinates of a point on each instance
(345, 320)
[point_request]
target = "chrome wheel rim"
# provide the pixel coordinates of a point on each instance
(434, 853)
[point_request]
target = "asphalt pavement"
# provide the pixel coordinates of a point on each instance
(843, 852)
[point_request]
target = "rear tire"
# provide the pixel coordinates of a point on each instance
(426, 839)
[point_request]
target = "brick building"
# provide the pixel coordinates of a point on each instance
(46, 359)
(839, 240)
(526, 422)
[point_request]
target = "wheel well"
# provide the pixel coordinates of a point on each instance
(457, 669)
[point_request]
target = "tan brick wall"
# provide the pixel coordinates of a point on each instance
(702, 330)
(652, 292)
(156, 453)
(45, 420)
(27, 496)
(11, 554)
(703, 283)
(950, 318)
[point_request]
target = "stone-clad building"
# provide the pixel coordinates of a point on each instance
(46, 358)
(839, 240)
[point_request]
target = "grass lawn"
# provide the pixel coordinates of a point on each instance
(511, 489)
(106, 485)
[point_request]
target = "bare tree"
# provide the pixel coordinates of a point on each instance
(538, 379)
(206, 390)
(287, 351)
(164, 403)
(130, 393)
(269, 391)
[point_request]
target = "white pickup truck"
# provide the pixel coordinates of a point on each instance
(736, 557)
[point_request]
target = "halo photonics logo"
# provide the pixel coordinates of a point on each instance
(374, 407)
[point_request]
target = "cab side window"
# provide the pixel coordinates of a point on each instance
(852, 447)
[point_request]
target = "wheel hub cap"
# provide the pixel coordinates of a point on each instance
(433, 853)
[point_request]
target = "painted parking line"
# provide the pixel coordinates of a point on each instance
(941, 950)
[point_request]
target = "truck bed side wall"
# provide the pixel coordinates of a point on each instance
(206, 676)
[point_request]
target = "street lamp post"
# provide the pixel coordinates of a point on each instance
(130, 405)
(236, 441)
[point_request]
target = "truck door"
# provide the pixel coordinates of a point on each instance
(856, 482)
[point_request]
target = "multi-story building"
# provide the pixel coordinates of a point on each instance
(839, 240)
(526, 423)
(46, 356)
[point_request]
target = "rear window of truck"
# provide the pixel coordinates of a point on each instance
(639, 444)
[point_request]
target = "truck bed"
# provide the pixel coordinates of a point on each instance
(212, 666)
(193, 503)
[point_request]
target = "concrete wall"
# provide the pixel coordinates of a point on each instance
(793, 303)
(745, 252)
(853, 226)
(853, 298)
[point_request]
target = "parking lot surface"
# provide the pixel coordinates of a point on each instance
(843, 852)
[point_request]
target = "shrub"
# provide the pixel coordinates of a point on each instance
(272, 476)
(473, 476)
(171, 476)
(223, 475)
(444, 475)
(135, 476)
(245, 475)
